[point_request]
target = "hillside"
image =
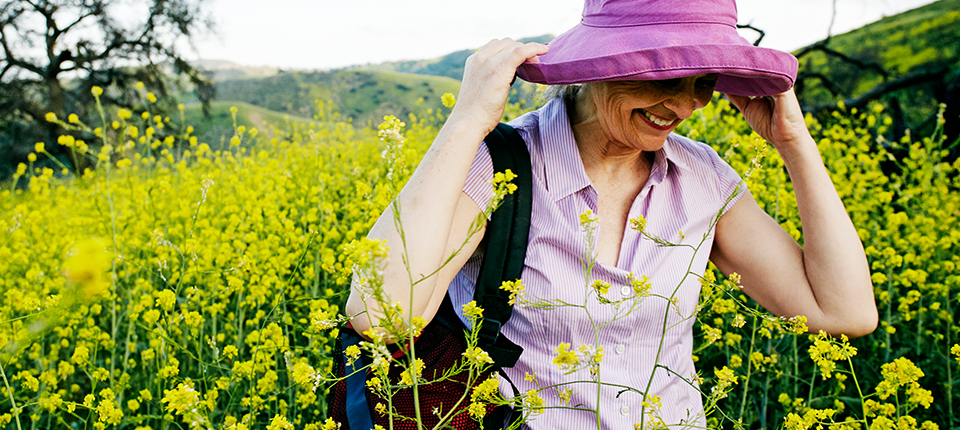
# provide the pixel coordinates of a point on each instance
(918, 47)
(450, 65)
(364, 95)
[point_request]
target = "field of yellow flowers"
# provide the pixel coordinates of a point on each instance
(177, 284)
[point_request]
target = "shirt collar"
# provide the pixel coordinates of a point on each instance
(564, 169)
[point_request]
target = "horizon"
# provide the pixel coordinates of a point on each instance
(379, 31)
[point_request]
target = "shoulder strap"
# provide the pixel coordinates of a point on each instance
(506, 244)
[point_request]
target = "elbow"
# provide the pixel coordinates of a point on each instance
(865, 324)
(857, 322)
(357, 312)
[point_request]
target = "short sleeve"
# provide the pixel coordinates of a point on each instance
(732, 187)
(478, 185)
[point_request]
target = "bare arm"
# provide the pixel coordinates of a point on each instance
(434, 212)
(827, 280)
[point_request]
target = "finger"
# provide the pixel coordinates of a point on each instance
(739, 101)
(529, 52)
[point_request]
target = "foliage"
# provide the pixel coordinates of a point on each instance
(55, 51)
(919, 39)
(179, 284)
(363, 95)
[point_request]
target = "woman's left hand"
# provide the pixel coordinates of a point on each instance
(777, 118)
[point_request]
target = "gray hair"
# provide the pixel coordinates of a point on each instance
(567, 92)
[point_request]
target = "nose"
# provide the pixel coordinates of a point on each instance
(685, 99)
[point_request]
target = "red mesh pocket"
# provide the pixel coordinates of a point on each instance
(439, 347)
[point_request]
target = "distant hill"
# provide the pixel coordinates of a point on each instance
(222, 70)
(364, 95)
(450, 65)
(914, 55)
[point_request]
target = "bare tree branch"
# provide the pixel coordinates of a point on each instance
(859, 102)
(751, 27)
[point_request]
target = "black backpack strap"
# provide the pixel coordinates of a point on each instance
(506, 249)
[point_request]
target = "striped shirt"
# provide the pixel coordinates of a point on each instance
(687, 187)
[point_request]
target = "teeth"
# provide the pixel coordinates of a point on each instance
(655, 120)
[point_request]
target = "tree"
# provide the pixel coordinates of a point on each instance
(52, 52)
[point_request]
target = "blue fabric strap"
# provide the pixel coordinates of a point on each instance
(358, 412)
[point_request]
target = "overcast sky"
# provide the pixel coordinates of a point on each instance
(320, 34)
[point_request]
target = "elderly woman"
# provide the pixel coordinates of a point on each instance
(607, 146)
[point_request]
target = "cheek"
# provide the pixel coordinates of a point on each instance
(616, 114)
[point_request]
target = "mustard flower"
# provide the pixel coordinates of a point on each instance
(279, 422)
(477, 356)
(448, 100)
(533, 402)
(566, 358)
(515, 288)
(639, 223)
(601, 286)
(472, 311)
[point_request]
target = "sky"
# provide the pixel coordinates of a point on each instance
(324, 34)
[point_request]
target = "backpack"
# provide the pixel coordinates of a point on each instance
(442, 341)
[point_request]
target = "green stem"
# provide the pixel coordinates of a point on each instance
(746, 381)
(863, 403)
(13, 403)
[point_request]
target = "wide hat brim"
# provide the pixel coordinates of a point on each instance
(663, 51)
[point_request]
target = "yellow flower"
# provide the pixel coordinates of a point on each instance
(641, 286)
(533, 402)
(600, 286)
(352, 352)
(477, 410)
(279, 422)
(166, 299)
(38, 147)
(448, 100)
(31, 157)
(151, 97)
(51, 117)
(477, 356)
(472, 311)
(565, 357)
(86, 267)
(515, 288)
(330, 424)
(639, 223)
(96, 91)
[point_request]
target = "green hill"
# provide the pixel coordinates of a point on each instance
(218, 127)
(364, 95)
(912, 55)
(450, 65)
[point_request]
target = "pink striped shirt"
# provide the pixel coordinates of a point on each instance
(687, 188)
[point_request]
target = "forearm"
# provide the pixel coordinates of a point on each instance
(833, 257)
(427, 213)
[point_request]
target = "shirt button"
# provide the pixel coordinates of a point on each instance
(620, 349)
(624, 410)
(625, 291)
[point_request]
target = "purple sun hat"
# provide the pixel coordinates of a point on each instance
(621, 40)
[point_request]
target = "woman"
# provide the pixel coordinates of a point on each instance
(644, 66)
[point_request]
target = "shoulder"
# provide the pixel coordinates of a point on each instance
(689, 153)
(698, 164)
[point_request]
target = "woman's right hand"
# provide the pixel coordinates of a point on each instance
(487, 76)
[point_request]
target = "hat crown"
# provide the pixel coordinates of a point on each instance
(623, 13)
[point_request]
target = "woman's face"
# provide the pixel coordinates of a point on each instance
(640, 114)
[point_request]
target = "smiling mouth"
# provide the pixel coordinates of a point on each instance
(657, 121)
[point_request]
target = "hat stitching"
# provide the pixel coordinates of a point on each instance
(644, 24)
